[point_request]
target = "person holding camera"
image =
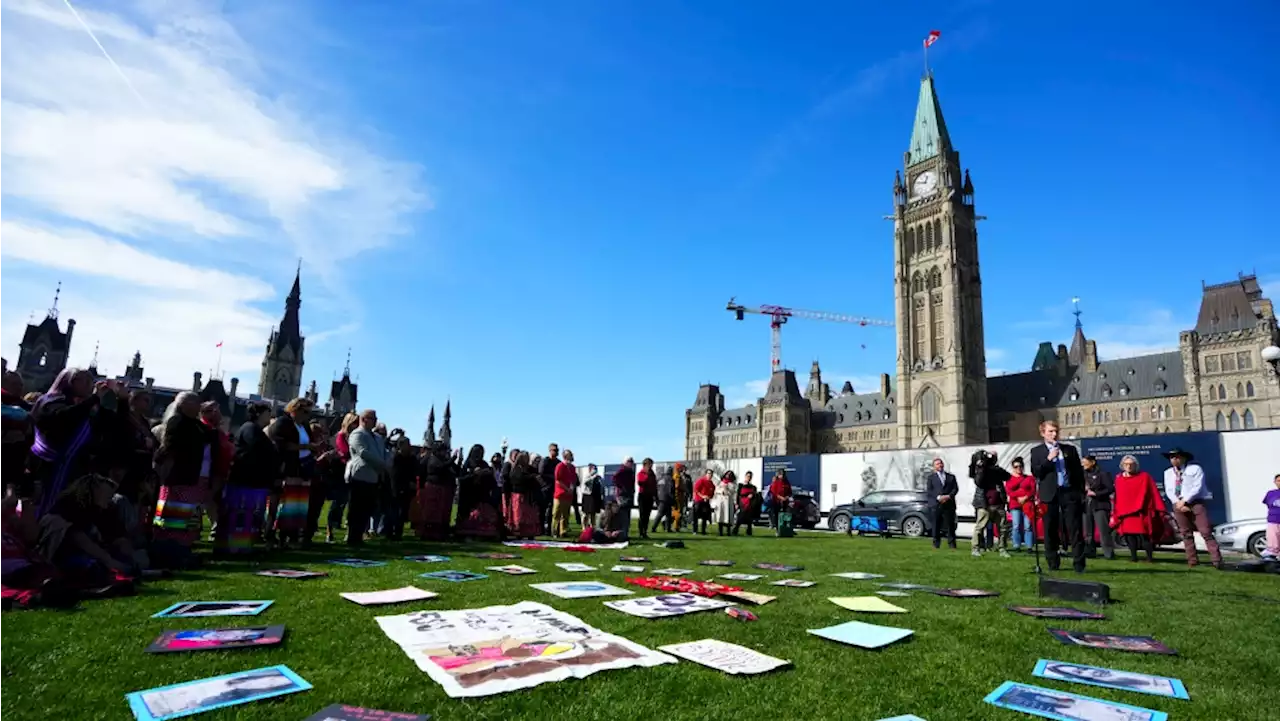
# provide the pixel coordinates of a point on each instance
(989, 500)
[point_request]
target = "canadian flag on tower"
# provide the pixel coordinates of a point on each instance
(932, 38)
(219, 345)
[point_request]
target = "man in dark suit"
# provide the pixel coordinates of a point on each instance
(1061, 486)
(942, 503)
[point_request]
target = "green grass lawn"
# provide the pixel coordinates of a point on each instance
(79, 664)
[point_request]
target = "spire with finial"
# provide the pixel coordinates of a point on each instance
(53, 310)
(429, 436)
(93, 364)
(1078, 342)
(346, 370)
(446, 432)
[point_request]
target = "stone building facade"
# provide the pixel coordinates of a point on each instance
(44, 349)
(1216, 379)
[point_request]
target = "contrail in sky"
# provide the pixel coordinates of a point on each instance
(106, 54)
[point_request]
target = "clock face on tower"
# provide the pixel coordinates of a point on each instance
(925, 184)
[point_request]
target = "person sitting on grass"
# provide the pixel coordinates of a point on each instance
(83, 536)
(612, 526)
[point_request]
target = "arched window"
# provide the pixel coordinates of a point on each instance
(928, 236)
(917, 282)
(1168, 412)
(935, 279)
(1186, 410)
(911, 241)
(939, 338)
(1220, 422)
(918, 328)
(1213, 393)
(1222, 392)
(930, 406)
(937, 234)
(1249, 422)
(1248, 389)
(1235, 421)
(1239, 390)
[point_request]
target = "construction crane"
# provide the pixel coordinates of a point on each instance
(778, 315)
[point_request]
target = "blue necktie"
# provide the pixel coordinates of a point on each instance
(1062, 468)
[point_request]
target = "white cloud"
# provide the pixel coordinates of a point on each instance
(152, 206)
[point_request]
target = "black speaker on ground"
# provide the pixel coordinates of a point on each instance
(1072, 590)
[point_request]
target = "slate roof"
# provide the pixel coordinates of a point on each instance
(861, 409)
(1230, 306)
(1146, 377)
(737, 417)
(783, 385)
(49, 329)
(707, 395)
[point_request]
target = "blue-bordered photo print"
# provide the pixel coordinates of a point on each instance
(357, 563)
(1063, 706)
(454, 576)
(206, 609)
(1112, 678)
(193, 697)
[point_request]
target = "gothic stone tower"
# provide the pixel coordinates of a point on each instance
(44, 348)
(281, 377)
(942, 369)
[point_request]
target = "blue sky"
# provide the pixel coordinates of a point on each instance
(538, 210)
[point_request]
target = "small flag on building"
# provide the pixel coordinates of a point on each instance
(219, 345)
(932, 38)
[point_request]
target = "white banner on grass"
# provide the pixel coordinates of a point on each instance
(565, 544)
(486, 651)
(674, 604)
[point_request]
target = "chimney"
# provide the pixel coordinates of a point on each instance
(71, 328)
(235, 383)
(195, 381)
(884, 385)
(151, 382)
(1091, 356)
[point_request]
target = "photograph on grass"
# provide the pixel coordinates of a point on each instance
(622, 568)
(858, 575)
(453, 576)
(575, 567)
(343, 712)
(727, 657)
(633, 559)
(206, 609)
(716, 562)
(427, 558)
(1113, 642)
(214, 639)
(497, 649)
(581, 589)
(1111, 678)
(193, 697)
(741, 576)
(1062, 706)
(291, 573)
(1060, 612)
(512, 570)
(675, 604)
(780, 567)
(395, 595)
(357, 563)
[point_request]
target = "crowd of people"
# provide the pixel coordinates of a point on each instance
(1075, 504)
(98, 496)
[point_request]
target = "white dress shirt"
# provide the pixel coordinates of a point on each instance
(1193, 485)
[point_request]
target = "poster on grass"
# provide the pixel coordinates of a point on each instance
(193, 697)
(673, 604)
(727, 657)
(1062, 706)
(497, 649)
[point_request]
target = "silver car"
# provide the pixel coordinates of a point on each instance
(1249, 536)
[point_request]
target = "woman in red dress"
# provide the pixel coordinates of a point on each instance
(525, 520)
(1138, 511)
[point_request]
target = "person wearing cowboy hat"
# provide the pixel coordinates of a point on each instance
(1185, 486)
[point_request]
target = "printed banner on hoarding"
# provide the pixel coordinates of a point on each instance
(804, 473)
(1149, 449)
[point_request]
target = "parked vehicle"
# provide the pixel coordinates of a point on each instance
(804, 510)
(1248, 536)
(887, 512)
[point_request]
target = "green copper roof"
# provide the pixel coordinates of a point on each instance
(929, 133)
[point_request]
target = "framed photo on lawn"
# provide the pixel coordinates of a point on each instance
(291, 573)
(193, 697)
(1063, 706)
(1112, 678)
(1074, 614)
(357, 563)
(454, 576)
(343, 712)
(216, 639)
(205, 609)
(1114, 642)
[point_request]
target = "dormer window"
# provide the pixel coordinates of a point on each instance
(1160, 368)
(1130, 371)
(1106, 391)
(886, 414)
(1124, 390)
(1160, 386)
(1075, 394)
(1103, 375)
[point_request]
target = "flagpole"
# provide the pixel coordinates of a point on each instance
(926, 57)
(217, 373)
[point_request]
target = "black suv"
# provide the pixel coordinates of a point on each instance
(905, 512)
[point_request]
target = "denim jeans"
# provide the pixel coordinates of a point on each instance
(1022, 531)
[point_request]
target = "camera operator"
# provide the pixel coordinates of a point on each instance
(990, 500)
